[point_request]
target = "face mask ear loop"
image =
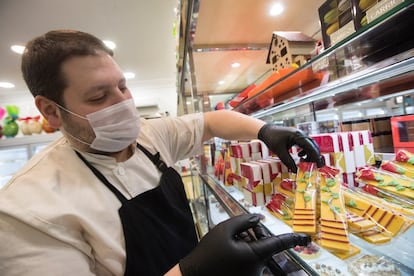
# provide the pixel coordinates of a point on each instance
(71, 112)
(73, 137)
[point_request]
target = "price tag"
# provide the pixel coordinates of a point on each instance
(380, 8)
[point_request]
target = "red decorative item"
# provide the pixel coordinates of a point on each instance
(367, 173)
(288, 185)
(275, 205)
(404, 156)
(329, 172)
(370, 189)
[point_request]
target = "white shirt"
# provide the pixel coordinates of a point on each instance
(57, 218)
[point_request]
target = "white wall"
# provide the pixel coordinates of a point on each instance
(155, 92)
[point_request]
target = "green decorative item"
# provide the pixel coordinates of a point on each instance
(2, 113)
(10, 127)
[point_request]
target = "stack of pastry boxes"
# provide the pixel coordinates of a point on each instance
(255, 172)
(346, 151)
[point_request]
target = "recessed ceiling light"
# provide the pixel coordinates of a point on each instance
(110, 44)
(6, 84)
(18, 49)
(276, 9)
(235, 64)
(221, 82)
(129, 75)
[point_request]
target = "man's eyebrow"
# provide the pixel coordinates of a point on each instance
(99, 87)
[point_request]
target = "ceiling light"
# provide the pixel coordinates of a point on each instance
(276, 9)
(18, 49)
(129, 75)
(235, 64)
(110, 44)
(221, 82)
(6, 84)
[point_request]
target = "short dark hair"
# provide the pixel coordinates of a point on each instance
(44, 55)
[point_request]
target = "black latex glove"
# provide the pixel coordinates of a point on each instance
(280, 139)
(222, 252)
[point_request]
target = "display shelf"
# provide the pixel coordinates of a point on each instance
(380, 54)
(399, 250)
(219, 197)
(15, 152)
(7, 143)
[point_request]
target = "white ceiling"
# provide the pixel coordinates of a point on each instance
(143, 31)
(230, 31)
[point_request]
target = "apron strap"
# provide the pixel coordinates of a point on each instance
(103, 179)
(154, 158)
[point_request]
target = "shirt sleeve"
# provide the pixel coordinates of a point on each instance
(176, 138)
(27, 251)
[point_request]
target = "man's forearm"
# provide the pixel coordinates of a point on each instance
(230, 125)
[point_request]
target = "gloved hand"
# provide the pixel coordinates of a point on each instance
(280, 139)
(225, 251)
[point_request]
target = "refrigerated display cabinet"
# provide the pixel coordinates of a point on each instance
(373, 65)
(214, 202)
(15, 152)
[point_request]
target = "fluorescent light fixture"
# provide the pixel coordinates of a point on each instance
(235, 64)
(6, 84)
(18, 49)
(129, 75)
(276, 9)
(110, 44)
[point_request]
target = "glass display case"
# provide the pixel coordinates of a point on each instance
(217, 202)
(214, 203)
(374, 65)
(15, 152)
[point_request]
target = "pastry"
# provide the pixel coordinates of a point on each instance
(304, 217)
(398, 168)
(310, 251)
(281, 206)
(375, 236)
(406, 157)
(326, 270)
(389, 200)
(371, 265)
(333, 234)
(358, 224)
(391, 182)
(387, 219)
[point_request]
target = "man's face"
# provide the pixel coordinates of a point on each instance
(93, 83)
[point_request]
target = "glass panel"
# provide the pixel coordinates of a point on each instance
(361, 67)
(11, 160)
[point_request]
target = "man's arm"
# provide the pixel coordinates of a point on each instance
(25, 250)
(230, 125)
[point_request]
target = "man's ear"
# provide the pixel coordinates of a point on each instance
(49, 111)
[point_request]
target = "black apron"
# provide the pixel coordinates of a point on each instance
(158, 224)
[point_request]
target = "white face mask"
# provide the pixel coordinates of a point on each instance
(115, 127)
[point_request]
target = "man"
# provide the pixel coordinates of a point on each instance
(104, 199)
